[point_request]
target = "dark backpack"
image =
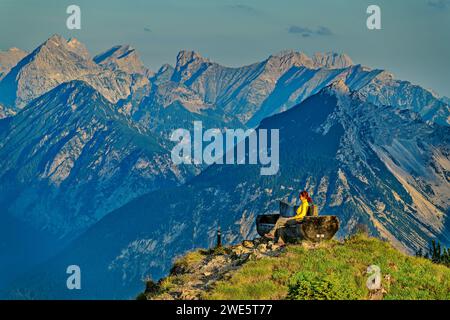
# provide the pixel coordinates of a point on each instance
(313, 211)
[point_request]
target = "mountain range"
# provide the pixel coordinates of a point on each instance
(343, 157)
(86, 169)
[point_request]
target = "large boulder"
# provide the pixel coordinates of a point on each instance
(310, 228)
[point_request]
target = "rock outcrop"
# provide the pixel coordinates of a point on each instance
(210, 266)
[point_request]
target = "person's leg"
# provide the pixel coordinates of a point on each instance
(280, 222)
(279, 239)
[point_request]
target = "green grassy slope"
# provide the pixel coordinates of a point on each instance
(331, 270)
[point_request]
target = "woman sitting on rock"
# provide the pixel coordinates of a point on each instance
(300, 214)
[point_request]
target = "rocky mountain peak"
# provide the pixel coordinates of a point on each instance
(329, 60)
(117, 52)
(55, 40)
(79, 48)
(332, 60)
(51, 64)
(185, 57)
(188, 63)
(58, 48)
(123, 58)
(289, 58)
(57, 61)
(164, 74)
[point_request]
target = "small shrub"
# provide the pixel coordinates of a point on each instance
(151, 287)
(187, 262)
(166, 284)
(141, 296)
(309, 286)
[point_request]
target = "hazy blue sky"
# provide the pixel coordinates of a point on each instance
(414, 43)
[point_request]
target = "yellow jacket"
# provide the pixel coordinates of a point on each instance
(302, 210)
